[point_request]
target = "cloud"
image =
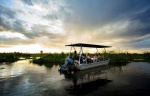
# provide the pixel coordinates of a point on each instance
(119, 21)
(28, 2)
(116, 22)
(7, 12)
(15, 38)
(9, 20)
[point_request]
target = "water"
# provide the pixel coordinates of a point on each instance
(23, 78)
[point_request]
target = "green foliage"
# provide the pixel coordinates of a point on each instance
(119, 58)
(8, 57)
(51, 58)
(146, 56)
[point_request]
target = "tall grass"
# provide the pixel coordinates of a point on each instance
(115, 58)
(146, 56)
(12, 57)
(119, 59)
(51, 58)
(8, 57)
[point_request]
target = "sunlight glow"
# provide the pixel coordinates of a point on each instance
(33, 48)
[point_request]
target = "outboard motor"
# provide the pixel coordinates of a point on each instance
(68, 62)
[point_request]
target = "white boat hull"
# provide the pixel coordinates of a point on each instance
(92, 65)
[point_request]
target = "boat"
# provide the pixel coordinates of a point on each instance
(84, 62)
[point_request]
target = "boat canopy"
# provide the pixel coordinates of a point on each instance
(88, 45)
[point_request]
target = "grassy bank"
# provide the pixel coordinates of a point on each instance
(55, 58)
(8, 57)
(120, 59)
(12, 57)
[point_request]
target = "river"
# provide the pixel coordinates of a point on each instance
(23, 78)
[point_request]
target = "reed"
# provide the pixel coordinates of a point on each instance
(51, 58)
(12, 57)
(118, 59)
(8, 57)
(123, 58)
(146, 56)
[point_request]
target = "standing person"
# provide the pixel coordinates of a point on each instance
(76, 57)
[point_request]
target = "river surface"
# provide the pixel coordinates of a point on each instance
(23, 78)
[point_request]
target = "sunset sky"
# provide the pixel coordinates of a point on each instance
(48, 25)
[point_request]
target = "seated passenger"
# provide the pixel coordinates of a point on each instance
(84, 59)
(95, 58)
(89, 60)
(99, 57)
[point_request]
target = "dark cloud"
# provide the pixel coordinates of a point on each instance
(9, 20)
(51, 16)
(141, 44)
(136, 43)
(92, 15)
(7, 12)
(5, 41)
(6, 16)
(139, 25)
(5, 24)
(12, 24)
(28, 2)
(97, 13)
(39, 30)
(19, 26)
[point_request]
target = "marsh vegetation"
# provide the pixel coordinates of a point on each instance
(58, 58)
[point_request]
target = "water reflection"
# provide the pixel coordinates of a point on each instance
(87, 81)
(23, 78)
(18, 68)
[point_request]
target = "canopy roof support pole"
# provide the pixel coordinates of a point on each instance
(81, 51)
(70, 51)
(97, 50)
(104, 53)
(74, 48)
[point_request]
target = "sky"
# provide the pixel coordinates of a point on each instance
(48, 25)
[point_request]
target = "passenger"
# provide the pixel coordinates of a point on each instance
(89, 60)
(95, 58)
(99, 57)
(76, 57)
(84, 58)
